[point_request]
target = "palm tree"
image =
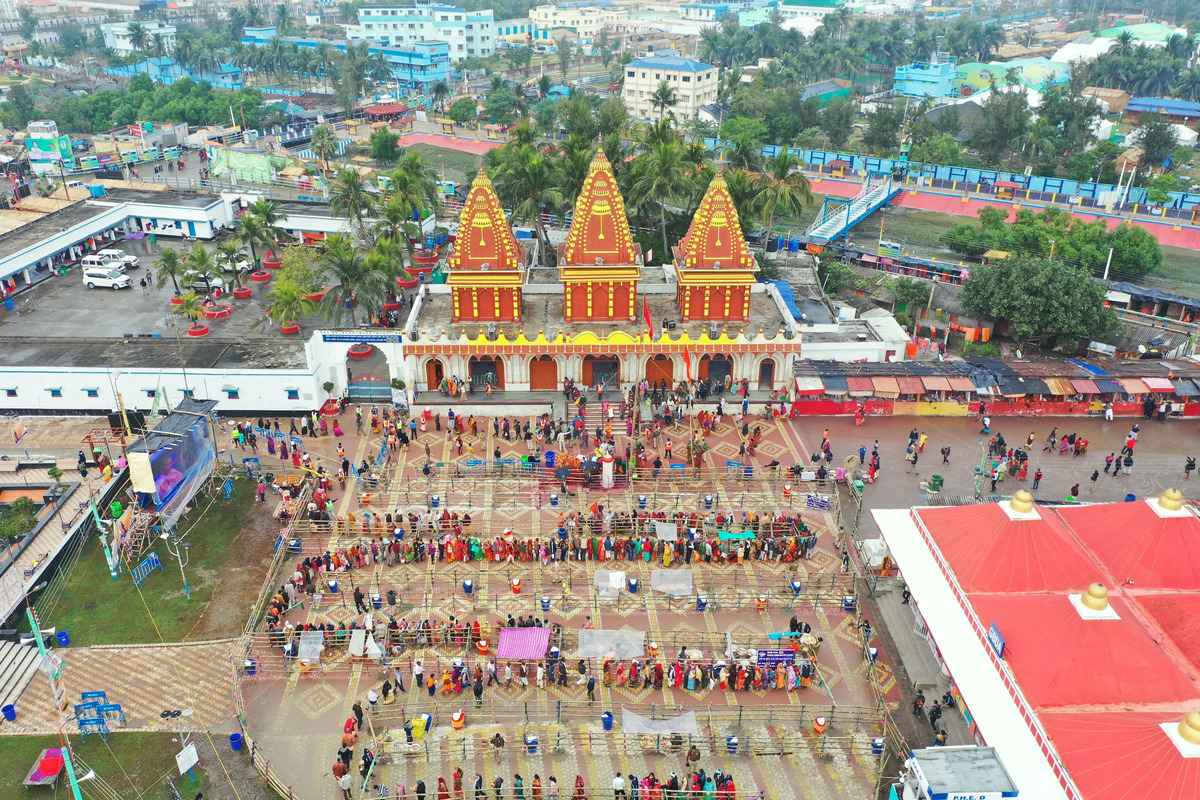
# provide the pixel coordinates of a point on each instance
(527, 181)
(349, 197)
(191, 308)
(393, 219)
(780, 188)
(169, 266)
(282, 17)
(357, 283)
(1188, 86)
(440, 91)
(324, 144)
(251, 232)
(1124, 44)
(289, 303)
(201, 261)
(267, 212)
(137, 35)
(660, 177)
(663, 99)
(414, 182)
(228, 256)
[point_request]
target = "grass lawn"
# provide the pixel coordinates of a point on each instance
(96, 609)
(146, 758)
(449, 164)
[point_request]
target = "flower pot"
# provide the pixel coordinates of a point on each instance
(360, 352)
(243, 293)
(197, 329)
(316, 297)
(290, 328)
(177, 300)
(269, 261)
(262, 276)
(407, 281)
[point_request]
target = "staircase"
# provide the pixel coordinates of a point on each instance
(593, 415)
(838, 217)
(18, 664)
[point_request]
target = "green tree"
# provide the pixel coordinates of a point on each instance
(137, 36)
(1156, 138)
(28, 21)
(1047, 302)
(324, 144)
(169, 267)
(660, 179)
(780, 188)
(1159, 187)
(463, 111)
(440, 91)
(384, 145)
(566, 56)
(1002, 125)
(527, 180)
(19, 109)
(837, 276)
(663, 99)
(289, 302)
(190, 308)
(500, 105)
(356, 284)
(348, 196)
(836, 122)
(940, 149)
(252, 233)
(909, 292)
(745, 138)
(883, 131)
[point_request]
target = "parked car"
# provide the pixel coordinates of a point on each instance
(111, 255)
(241, 266)
(202, 282)
(105, 278)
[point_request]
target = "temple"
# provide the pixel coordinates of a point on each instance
(713, 263)
(485, 264)
(599, 264)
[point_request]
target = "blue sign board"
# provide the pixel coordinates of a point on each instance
(776, 656)
(996, 640)
(144, 568)
(363, 338)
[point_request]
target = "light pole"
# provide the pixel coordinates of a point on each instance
(179, 551)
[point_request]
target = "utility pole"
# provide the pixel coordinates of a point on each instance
(100, 530)
(178, 551)
(1107, 264)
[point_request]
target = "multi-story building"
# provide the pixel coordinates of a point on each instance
(937, 78)
(119, 37)
(694, 82)
(417, 65)
(815, 9)
(519, 31)
(469, 34)
(583, 19)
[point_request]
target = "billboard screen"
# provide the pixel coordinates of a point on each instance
(179, 467)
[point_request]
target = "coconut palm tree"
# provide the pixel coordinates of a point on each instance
(527, 181)
(780, 188)
(440, 91)
(228, 256)
(356, 284)
(289, 303)
(663, 99)
(267, 212)
(349, 197)
(137, 35)
(324, 144)
(201, 261)
(170, 266)
(251, 232)
(191, 308)
(660, 176)
(414, 181)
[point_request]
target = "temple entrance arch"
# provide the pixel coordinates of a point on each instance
(660, 369)
(486, 371)
(602, 369)
(543, 374)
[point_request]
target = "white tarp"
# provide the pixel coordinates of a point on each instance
(141, 477)
(622, 644)
(666, 531)
(312, 643)
(609, 583)
(636, 723)
(674, 582)
(358, 642)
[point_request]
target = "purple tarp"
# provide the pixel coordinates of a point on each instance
(523, 644)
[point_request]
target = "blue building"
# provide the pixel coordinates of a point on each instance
(417, 66)
(927, 79)
(165, 70)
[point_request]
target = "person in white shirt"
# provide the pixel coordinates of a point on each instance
(344, 783)
(618, 787)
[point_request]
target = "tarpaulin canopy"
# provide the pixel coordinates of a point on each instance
(935, 383)
(1016, 386)
(674, 582)
(1185, 387)
(835, 384)
(686, 723)
(809, 385)
(1060, 386)
(911, 386)
(860, 387)
(523, 644)
(1109, 386)
(623, 644)
(1159, 385)
(1084, 386)
(886, 387)
(961, 384)
(1134, 386)
(984, 383)
(666, 531)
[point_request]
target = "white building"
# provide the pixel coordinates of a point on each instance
(585, 21)
(469, 33)
(811, 9)
(694, 83)
(118, 37)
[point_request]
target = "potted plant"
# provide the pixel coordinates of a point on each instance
(328, 386)
(398, 384)
(288, 305)
(169, 266)
(191, 307)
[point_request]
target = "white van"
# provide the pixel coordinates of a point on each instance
(105, 278)
(95, 261)
(119, 256)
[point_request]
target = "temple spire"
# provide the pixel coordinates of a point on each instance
(485, 239)
(599, 233)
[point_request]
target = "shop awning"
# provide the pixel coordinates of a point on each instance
(886, 387)
(1134, 386)
(1109, 386)
(860, 387)
(1185, 387)
(1016, 386)
(934, 383)
(1159, 385)
(984, 383)
(809, 385)
(835, 384)
(1060, 386)
(962, 384)
(911, 386)
(1084, 386)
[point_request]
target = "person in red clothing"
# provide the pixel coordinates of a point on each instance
(339, 769)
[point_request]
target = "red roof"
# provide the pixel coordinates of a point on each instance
(1135, 542)
(991, 553)
(1063, 660)
(1179, 617)
(1123, 755)
(387, 109)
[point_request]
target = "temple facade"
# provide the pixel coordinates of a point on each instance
(485, 273)
(600, 264)
(713, 263)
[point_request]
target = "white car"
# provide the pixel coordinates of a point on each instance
(119, 257)
(200, 282)
(241, 266)
(105, 278)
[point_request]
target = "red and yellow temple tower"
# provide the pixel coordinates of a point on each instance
(713, 263)
(600, 263)
(485, 266)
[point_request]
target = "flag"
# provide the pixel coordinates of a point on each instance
(646, 316)
(687, 362)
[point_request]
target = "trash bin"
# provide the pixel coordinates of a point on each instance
(641, 501)
(554, 500)
(531, 744)
(545, 602)
(731, 745)
(250, 666)
(235, 741)
(468, 586)
(333, 587)
(708, 502)
(377, 601)
(701, 602)
(1129, 498)
(435, 501)
(797, 588)
(63, 638)
(877, 746)
(859, 485)
(849, 603)
(551, 459)
(10, 713)
(391, 597)
(935, 482)
(606, 719)
(9, 304)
